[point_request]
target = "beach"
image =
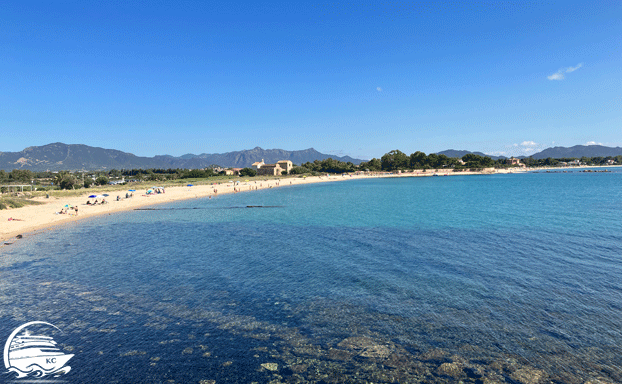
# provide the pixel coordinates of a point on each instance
(33, 218)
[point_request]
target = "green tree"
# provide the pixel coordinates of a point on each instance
(549, 161)
(65, 180)
(101, 180)
(154, 177)
(114, 173)
(418, 160)
(299, 170)
(193, 174)
(249, 172)
(21, 175)
(394, 160)
(373, 165)
(472, 160)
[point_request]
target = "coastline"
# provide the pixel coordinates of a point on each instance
(32, 219)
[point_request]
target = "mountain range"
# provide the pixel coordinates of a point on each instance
(576, 151)
(460, 153)
(59, 156)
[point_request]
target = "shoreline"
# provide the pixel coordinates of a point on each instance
(32, 219)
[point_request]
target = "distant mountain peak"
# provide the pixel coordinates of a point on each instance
(60, 156)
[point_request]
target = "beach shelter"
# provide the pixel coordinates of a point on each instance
(131, 190)
(190, 185)
(92, 196)
(68, 206)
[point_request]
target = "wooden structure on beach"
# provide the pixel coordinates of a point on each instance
(8, 187)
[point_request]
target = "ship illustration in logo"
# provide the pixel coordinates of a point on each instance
(31, 355)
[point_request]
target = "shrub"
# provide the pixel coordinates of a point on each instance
(299, 170)
(248, 172)
(101, 180)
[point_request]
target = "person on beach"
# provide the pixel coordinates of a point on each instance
(76, 209)
(12, 219)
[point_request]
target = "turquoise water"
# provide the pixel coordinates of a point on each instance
(503, 278)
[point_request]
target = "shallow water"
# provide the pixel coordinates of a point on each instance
(503, 278)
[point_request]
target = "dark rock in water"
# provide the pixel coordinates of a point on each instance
(450, 369)
(18, 236)
(339, 354)
(434, 355)
(599, 380)
(528, 375)
(365, 347)
(299, 368)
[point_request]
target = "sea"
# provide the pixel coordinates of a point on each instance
(505, 278)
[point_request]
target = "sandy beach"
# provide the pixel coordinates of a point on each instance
(30, 219)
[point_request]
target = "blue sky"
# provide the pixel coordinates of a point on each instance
(357, 78)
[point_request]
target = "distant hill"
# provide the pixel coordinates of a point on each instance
(59, 156)
(578, 151)
(460, 153)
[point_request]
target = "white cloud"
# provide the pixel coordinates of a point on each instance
(593, 143)
(378, 89)
(559, 75)
(528, 144)
(556, 76)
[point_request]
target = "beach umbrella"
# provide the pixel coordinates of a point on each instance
(190, 185)
(131, 190)
(68, 206)
(105, 195)
(92, 196)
